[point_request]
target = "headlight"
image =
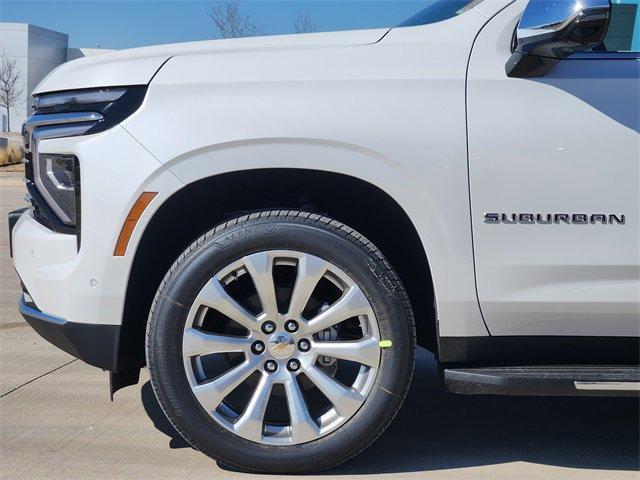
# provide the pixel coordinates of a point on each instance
(111, 105)
(55, 178)
(62, 101)
(58, 179)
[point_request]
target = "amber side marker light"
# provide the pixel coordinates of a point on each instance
(130, 223)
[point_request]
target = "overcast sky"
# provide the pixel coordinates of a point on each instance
(131, 23)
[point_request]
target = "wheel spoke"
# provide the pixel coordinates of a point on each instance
(213, 295)
(211, 394)
(310, 271)
(196, 342)
(249, 425)
(260, 267)
(345, 400)
(365, 352)
(352, 303)
(303, 428)
(265, 363)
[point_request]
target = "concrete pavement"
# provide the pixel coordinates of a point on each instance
(56, 420)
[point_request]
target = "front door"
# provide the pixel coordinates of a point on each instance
(554, 177)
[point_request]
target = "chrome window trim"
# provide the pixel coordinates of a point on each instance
(604, 56)
(608, 386)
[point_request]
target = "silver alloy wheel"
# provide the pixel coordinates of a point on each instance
(282, 347)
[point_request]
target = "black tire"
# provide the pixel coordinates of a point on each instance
(277, 230)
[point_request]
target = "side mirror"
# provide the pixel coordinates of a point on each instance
(551, 30)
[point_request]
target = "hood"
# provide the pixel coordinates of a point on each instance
(138, 66)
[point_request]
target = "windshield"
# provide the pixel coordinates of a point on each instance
(439, 10)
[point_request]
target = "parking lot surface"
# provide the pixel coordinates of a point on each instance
(56, 420)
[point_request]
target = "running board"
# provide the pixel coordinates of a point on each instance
(546, 380)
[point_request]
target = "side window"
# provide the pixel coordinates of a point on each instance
(624, 27)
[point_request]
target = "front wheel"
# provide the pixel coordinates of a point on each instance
(281, 342)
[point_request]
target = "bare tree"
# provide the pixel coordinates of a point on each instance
(303, 23)
(232, 21)
(10, 91)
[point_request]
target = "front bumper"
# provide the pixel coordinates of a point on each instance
(81, 286)
(96, 345)
(84, 282)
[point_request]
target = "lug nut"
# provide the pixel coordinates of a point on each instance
(257, 348)
(304, 345)
(293, 365)
(291, 326)
(268, 327)
(270, 366)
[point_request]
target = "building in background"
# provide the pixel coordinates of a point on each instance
(37, 51)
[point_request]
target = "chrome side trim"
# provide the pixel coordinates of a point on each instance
(608, 386)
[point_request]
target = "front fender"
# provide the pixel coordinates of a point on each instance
(391, 114)
(373, 167)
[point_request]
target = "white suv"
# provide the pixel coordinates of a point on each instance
(272, 224)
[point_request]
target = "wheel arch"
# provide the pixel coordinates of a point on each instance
(199, 206)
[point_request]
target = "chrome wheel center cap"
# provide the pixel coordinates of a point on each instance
(281, 345)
